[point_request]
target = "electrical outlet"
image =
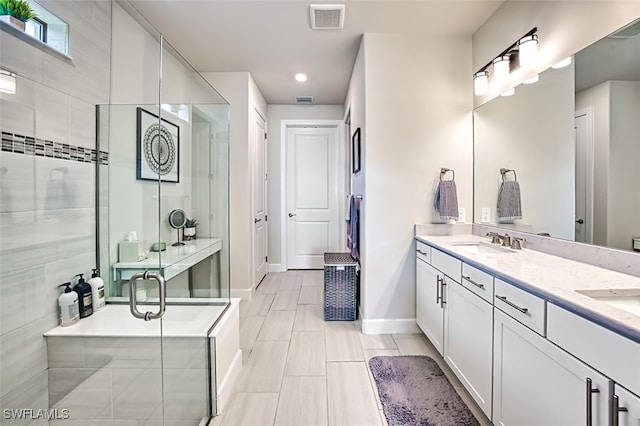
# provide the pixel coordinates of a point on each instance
(462, 215)
(486, 215)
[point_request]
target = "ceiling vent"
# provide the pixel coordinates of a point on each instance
(327, 16)
(304, 99)
(629, 31)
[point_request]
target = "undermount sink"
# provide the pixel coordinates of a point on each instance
(627, 299)
(482, 247)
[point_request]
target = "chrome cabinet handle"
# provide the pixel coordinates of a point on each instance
(480, 286)
(133, 283)
(443, 284)
(421, 252)
(590, 391)
(438, 284)
(513, 305)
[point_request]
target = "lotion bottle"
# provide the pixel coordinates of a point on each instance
(97, 291)
(68, 302)
(85, 302)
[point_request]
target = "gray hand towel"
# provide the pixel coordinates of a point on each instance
(446, 200)
(509, 202)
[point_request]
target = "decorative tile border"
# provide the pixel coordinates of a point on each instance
(27, 145)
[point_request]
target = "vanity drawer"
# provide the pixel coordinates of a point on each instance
(446, 264)
(530, 310)
(608, 352)
(478, 282)
(423, 251)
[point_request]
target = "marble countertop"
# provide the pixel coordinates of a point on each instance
(553, 278)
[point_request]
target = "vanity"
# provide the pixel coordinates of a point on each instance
(536, 339)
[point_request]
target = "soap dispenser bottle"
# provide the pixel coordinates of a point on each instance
(97, 290)
(85, 302)
(68, 302)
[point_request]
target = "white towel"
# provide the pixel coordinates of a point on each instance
(446, 200)
(509, 201)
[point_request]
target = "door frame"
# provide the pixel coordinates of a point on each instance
(342, 155)
(252, 137)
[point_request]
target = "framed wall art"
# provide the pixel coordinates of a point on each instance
(158, 148)
(355, 151)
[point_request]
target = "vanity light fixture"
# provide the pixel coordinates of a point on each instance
(528, 50)
(7, 82)
(563, 63)
(532, 80)
(301, 77)
(501, 67)
(481, 83)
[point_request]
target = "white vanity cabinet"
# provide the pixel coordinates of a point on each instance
(468, 341)
(536, 383)
(430, 303)
(627, 412)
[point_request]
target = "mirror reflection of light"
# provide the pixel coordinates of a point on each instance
(563, 63)
(532, 80)
(509, 92)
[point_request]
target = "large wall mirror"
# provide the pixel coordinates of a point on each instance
(572, 142)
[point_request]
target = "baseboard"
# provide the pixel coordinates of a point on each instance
(244, 293)
(226, 386)
(390, 326)
(276, 267)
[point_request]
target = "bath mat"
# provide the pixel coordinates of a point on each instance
(414, 391)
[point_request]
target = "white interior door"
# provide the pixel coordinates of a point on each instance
(584, 177)
(259, 198)
(313, 195)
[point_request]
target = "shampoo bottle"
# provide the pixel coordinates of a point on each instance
(97, 291)
(85, 302)
(68, 301)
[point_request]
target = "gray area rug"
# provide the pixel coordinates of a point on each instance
(414, 391)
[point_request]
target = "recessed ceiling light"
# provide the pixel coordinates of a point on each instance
(301, 77)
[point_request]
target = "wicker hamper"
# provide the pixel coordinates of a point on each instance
(340, 287)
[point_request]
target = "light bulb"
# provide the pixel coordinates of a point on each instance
(301, 77)
(528, 48)
(481, 83)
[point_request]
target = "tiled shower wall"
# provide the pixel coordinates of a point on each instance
(47, 188)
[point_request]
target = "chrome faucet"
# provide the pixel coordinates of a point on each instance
(516, 243)
(495, 237)
(506, 240)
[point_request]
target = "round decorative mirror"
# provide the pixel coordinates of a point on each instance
(177, 220)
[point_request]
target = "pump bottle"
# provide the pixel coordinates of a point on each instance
(85, 302)
(68, 302)
(97, 290)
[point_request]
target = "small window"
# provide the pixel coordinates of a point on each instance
(48, 28)
(37, 29)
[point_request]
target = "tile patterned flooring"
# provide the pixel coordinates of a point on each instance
(300, 370)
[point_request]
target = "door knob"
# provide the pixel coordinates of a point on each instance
(291, 215)
(257, 220)
(580, 221)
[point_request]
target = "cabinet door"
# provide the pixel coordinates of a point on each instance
(536, 383)
(468, 342)
(429, 316)
(629, 402)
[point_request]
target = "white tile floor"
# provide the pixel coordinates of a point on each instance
(300, 370)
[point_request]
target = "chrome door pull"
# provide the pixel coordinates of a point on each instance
(513, 305)
(480, 286)
(590, 391)
(133, 282)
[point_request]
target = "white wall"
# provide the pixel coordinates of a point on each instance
(417, 119)
(278, 113)
(564, 28)
(240, 90)
(624, 192)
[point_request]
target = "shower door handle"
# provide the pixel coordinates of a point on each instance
(133, 282)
